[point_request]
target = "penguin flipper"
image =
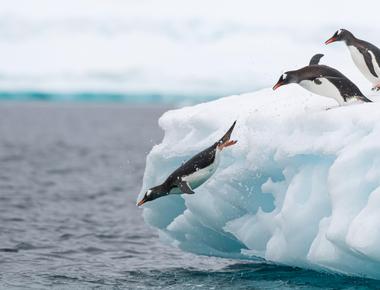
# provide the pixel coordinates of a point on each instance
(316, 58)
(368, 60)
(184, 186)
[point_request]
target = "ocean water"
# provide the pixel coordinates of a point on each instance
(69, 178)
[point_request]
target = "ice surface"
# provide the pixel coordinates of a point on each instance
(301, 187)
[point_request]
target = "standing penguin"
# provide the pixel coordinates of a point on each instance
(365, 55)
(324, 81)
(192, 173)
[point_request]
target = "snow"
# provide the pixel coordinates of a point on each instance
(301, 187)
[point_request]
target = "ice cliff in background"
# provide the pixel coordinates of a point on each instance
(301, 187)
(169, 51)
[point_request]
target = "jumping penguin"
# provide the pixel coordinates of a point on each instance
(324, 81)
(192, 173)
(365, 55)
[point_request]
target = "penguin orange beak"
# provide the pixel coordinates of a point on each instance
(279, 84)
(331, 40)
(141, 202)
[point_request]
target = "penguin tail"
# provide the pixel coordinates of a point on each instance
(365, 99)
(225, 140)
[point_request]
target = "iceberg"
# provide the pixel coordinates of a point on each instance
(300, 188)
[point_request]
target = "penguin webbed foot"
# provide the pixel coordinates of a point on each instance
(227, 144)
(230, 143)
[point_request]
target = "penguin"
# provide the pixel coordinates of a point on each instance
(365, 55)
(324, 81)
(192, 173)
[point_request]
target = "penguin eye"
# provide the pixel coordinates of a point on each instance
(148, 192)
(284, 76)
(339, 32)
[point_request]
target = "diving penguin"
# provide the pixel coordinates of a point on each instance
(365, 55)
(323, 80)
(192, 173)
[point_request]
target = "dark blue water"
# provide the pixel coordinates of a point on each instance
(69, 177)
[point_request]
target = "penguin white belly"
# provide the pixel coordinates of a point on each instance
(200, 176)
(359, 61)
(326, 89)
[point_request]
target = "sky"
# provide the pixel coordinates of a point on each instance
(190, 49)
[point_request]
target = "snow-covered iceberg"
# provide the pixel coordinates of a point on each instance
(301, 187)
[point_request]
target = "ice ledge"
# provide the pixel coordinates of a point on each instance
(302, 186)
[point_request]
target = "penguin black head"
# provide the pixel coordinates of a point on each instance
(286, 78)
(152, 194)
(340, 35)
